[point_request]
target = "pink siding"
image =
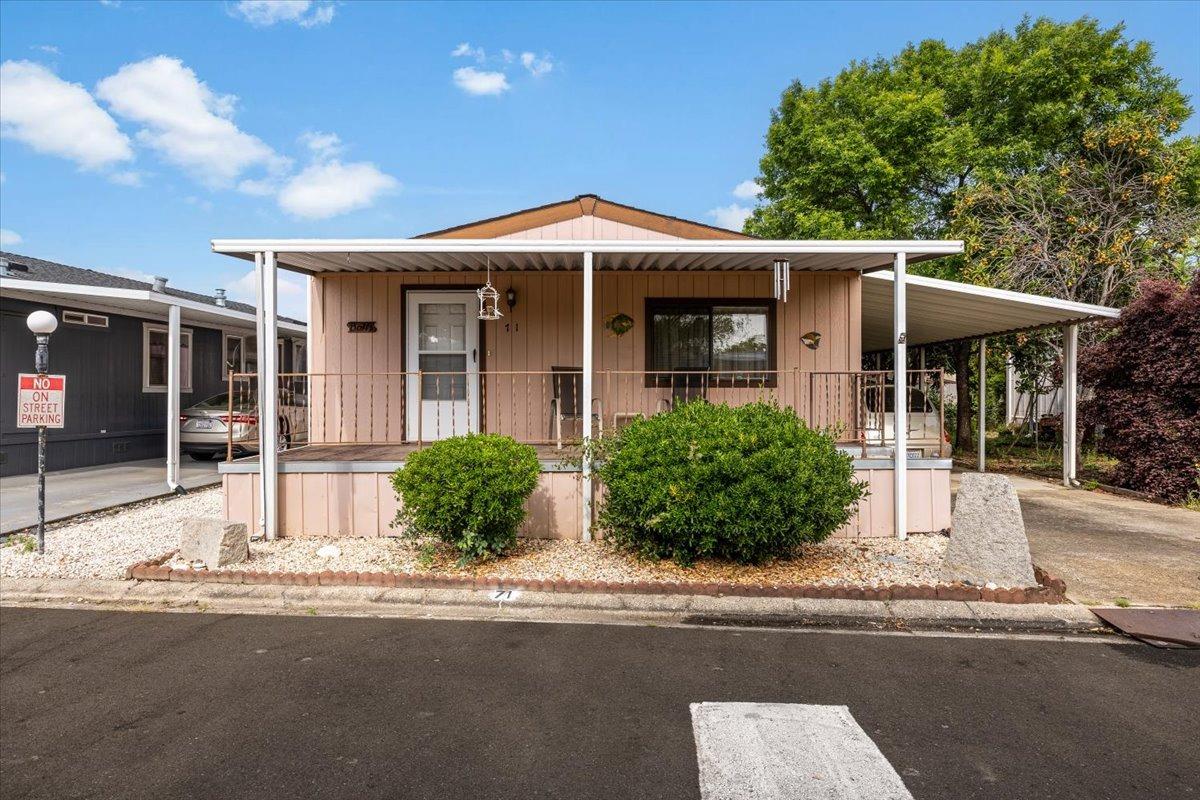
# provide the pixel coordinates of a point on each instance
(362, 504)
(543, 331)
(587, 227)
(928, 504)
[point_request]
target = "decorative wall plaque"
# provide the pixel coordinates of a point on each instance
(361, 326)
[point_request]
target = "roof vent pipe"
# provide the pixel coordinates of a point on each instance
(221, 298)
(160, 283)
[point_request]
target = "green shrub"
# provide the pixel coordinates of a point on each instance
(468, 491)
(707, 480)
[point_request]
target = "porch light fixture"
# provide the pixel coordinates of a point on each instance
(489, 298)
(510, 297)
(783, 278)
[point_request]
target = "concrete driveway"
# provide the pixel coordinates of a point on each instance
(79, 491)
(1107, 547)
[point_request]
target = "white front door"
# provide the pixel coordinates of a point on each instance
(442, 341)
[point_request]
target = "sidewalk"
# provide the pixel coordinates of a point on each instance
(612, 608)
(1107, 546)
(86, 489)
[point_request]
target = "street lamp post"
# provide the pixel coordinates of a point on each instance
(42, 324)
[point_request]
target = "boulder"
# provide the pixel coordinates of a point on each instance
(987, 535)
(214, 542)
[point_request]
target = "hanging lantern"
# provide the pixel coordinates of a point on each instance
(489, 298)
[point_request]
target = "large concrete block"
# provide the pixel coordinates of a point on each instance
(987, 535)
(214, 542)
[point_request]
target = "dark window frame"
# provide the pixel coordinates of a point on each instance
(664, 379)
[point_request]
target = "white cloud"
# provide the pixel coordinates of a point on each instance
(747, 190)
(326, 189)
(188, 124)
(465, 50)
(58, 118)
(9, 238)
(111, 3)
(479, 82)
(732, 216)
(323, 146)
(47, 48)
(537, 66)
(304, 13)
(508, 55)
(127, 177)
(293, 293)
(264, 187)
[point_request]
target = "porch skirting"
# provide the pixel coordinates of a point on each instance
(336, 501)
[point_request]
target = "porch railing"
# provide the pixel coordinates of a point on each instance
(545, 407)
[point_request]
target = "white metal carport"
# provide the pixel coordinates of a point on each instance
(154, 305)
(941, 311)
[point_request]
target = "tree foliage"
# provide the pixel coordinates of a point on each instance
(1091, 224)
(883, 149)
(1146, 380)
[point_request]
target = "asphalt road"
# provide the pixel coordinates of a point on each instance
(133, 705)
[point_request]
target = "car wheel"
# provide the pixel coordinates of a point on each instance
(202, 456)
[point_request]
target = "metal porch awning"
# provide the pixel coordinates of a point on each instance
(317, 256)
(944, 311)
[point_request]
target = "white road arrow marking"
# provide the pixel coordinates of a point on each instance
(771, 751)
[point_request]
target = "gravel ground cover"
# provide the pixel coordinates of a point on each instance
(103, 545)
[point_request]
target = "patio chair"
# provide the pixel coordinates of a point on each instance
(567, 384)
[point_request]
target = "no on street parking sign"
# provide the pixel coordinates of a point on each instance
(41, 400)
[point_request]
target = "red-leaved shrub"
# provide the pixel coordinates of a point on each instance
(1145, 372)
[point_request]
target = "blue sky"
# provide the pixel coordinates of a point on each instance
(189, 121)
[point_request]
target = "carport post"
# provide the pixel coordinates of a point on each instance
(1070, 400)
(173, 342)
(982, 467)
(268, 414)
(900, 396)
(586, 400)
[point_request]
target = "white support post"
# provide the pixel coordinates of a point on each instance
(259, 336)
(268, 415)
(1010, 390)
(586, 400)
(173, 384)
(1070, 399)
(982, 466)
(900, 396)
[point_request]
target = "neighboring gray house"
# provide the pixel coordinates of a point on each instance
(112, 344)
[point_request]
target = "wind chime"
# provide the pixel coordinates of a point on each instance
(489, 298)
(783, 278)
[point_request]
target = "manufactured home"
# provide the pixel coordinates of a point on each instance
(113, 343)
(563, 322)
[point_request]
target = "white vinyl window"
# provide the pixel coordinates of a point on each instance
(155, 342)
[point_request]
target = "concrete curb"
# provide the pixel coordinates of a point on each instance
(516, 604)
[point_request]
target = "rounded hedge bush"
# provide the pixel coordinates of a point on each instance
(706, 480)
(468, 491)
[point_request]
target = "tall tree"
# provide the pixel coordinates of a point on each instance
(886, 148)
(1091, 225)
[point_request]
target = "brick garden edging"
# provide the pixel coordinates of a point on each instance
(1050, 590)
